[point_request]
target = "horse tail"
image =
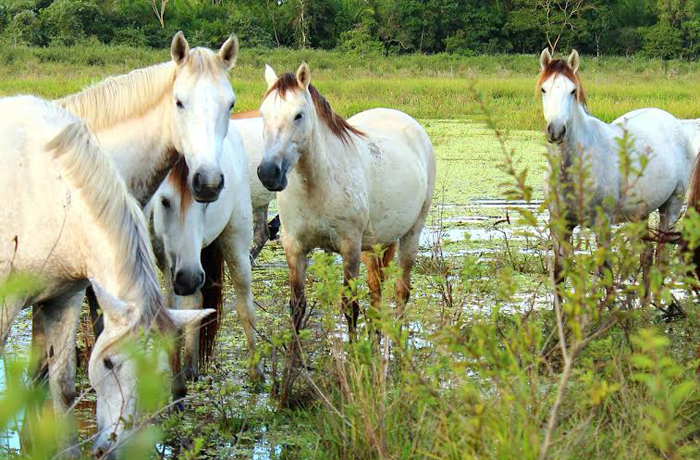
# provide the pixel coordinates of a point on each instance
(212, 297)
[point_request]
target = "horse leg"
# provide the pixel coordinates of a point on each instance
(646, 260)
(8, 314)
(408, 250)
(375, 274)
(60, 319)
(669, 213)
(235, 251)
(350, 251)
(296, 261)
(191, 302)
(39, 359)
(178, 385)
(559, 247)
(98, 322)
(261, 232)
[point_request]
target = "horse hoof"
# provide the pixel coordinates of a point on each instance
(191, 375)
(179, 406)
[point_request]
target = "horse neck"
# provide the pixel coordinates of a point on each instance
(315, 165)
(586, 134)
(130, 115)
(142, 149)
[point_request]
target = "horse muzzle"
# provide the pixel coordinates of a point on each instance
(556, 133)
(206, 186)
(187, 282)
(272, 176)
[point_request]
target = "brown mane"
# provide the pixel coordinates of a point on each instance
(212, 297)
(561, 67)
(247, 114)
(337, 124)
(178, 178)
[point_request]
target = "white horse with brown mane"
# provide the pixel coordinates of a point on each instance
(344, 186)
(68, 219)
(149, 118)
(668, 145)
(195, 239)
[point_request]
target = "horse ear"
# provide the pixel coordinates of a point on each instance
(179, 49)
(229, 52)
(270, 76)
(112, 307)
(182, 318)
(545, 58)
(304, 75)
(573, 60)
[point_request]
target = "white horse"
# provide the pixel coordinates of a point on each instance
(149, 118)
(344, 186)
(195, 239)
(655, 134)
(250, 126)
(68, 219)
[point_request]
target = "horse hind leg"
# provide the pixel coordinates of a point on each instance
(375, 274)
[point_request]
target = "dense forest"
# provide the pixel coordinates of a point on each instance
(657, 28)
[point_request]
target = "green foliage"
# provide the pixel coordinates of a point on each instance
(368, 26)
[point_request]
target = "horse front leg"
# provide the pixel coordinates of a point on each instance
(261, 232)
(60, 320)
(296, 261)
(350, 251)
(560, 254)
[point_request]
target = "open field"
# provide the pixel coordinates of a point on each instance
(477, 370)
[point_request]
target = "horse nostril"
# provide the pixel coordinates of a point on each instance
(100, 452)
(563, 131)
(221, 181)
(197, 181)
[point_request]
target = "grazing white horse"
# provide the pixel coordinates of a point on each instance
(655, 134)
(195, 239)
(68, 219)
(344, 186)
(149, 118)
(250, 126)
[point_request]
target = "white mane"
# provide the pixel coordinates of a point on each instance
(92, 173)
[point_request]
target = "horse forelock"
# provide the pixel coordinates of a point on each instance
(178, 178)
(206, 62)
(337, 124)
(561, 67)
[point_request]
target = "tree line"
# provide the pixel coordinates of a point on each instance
(656, 28)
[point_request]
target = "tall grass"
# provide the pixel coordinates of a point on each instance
(433, 86)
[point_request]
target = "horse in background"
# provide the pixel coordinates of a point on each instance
(68, 219)
(250, 126)
(575, 134)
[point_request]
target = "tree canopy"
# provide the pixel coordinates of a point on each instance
(657, 28)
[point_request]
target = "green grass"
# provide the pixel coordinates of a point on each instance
(427, 87)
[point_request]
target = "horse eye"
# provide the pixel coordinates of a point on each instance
(299, 116)
(165, 202)
(233, 104)
(543, 91)
(108, 363)
(179, 104)
(574, 91)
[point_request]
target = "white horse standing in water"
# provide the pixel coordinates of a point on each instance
(149, 118)
(195, 239)
(68, 219)
(344, 186)
(667, 143)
